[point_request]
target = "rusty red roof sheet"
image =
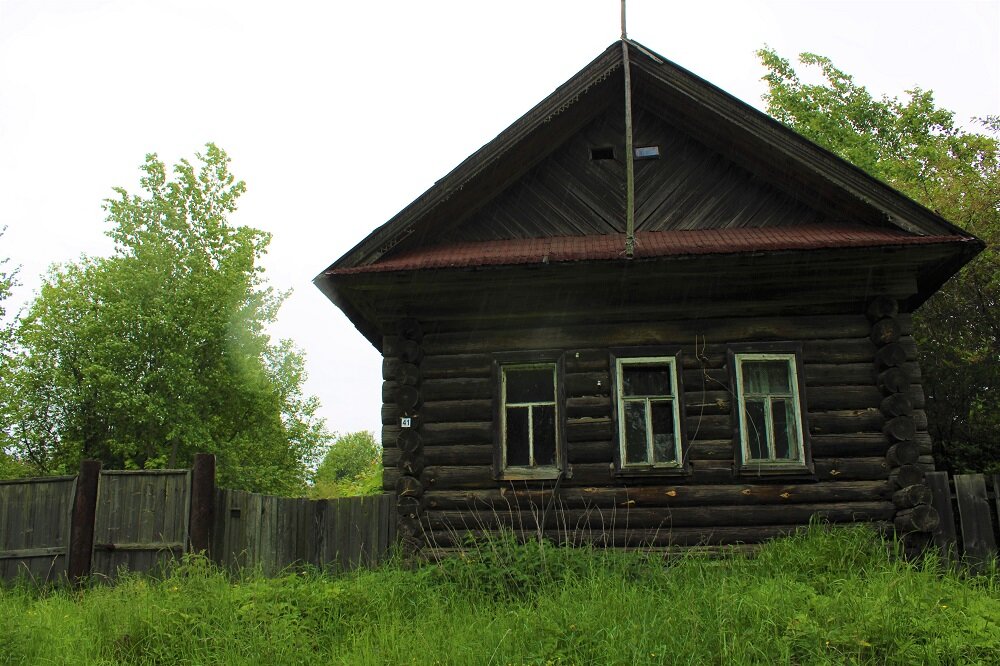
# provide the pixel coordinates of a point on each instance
(649, 244)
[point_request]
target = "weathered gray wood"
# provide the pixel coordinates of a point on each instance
(34, 527)
(920, 518)
(945, 536)
(911, 496)
(882, 307)
(978, 541)
(903, 453)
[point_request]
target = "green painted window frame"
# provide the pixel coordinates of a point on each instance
(674, 398)
(802, 462)
(502, 363)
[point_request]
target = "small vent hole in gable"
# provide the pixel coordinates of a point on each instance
(602, 153)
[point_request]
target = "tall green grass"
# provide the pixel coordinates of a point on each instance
(829, 596)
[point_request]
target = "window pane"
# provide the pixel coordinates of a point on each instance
(764, 377)
(544, 433)
(646, 380)
(785, 432)
(635, 431)
(517, 436)
(664, 449)
(530, 384)
(756, 430)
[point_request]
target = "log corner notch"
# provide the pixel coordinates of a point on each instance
(402, 354)
(915, 517)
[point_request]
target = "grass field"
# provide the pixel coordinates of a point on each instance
(829, 596)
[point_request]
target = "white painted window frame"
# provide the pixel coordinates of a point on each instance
(791, 363)
(531, 466)
(620, 398)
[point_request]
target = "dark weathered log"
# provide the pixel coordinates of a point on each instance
(390, 366)
(900, 429)
(81, 531)
(408, 440)
(845, 421)
(587, 429)
(408, 374)
(410, 329)
(409, 528)
(408, 486)
(882, 307)
(411, 465)
(590, 452)
(481, 476)
(506, 498)
(456, 389)
(694, 516)
(594, 406)
(681, 537)
(391, 346)
(457, 433)
(408, 397)
(848, 445)
(885, 331)
(893, 380)
(921, 518)
(410, 351)
(588, 383)
(911, 496)
(897, 404)
(409, 507)
(456, 366)
(587, 360)
(907, 475)
(903, 453)
(444, 411)
(843, 469)
(676, 332)
(202, 515)
(892, 355)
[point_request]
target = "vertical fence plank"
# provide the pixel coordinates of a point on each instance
(81, 539)
(945, 537)
(978, 541)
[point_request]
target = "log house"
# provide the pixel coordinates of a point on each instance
(741, 363)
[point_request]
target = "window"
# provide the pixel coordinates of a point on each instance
(769, 410)
(648, 412)
(529, 417)
(647, 153)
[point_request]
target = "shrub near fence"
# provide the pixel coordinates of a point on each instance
(98, 522)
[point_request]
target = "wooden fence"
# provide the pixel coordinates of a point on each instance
(100, 522)
(969, 509)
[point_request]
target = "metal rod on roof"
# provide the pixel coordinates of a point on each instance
(629, 167)
(624, 33)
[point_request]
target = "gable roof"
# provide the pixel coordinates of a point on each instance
(692, 103)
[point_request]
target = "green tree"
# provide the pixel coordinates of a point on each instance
(10, 467)
(352, 466)
(916, 147)
(143, 358)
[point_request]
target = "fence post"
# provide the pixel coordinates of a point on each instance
(202, 502)
(81, 531)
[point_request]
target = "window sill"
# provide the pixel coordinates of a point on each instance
(530, 474)
(646, 471)
(782, 470)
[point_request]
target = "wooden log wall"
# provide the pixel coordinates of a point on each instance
(908, 460)
(846, 412)
(404, 396)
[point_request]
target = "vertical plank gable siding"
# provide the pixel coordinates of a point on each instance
(711, 504)
(34, 527)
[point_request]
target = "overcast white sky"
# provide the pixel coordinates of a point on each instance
(338, 114)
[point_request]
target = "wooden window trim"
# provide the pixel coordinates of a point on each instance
(803, 469)
(528, 358)
(674, 356)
